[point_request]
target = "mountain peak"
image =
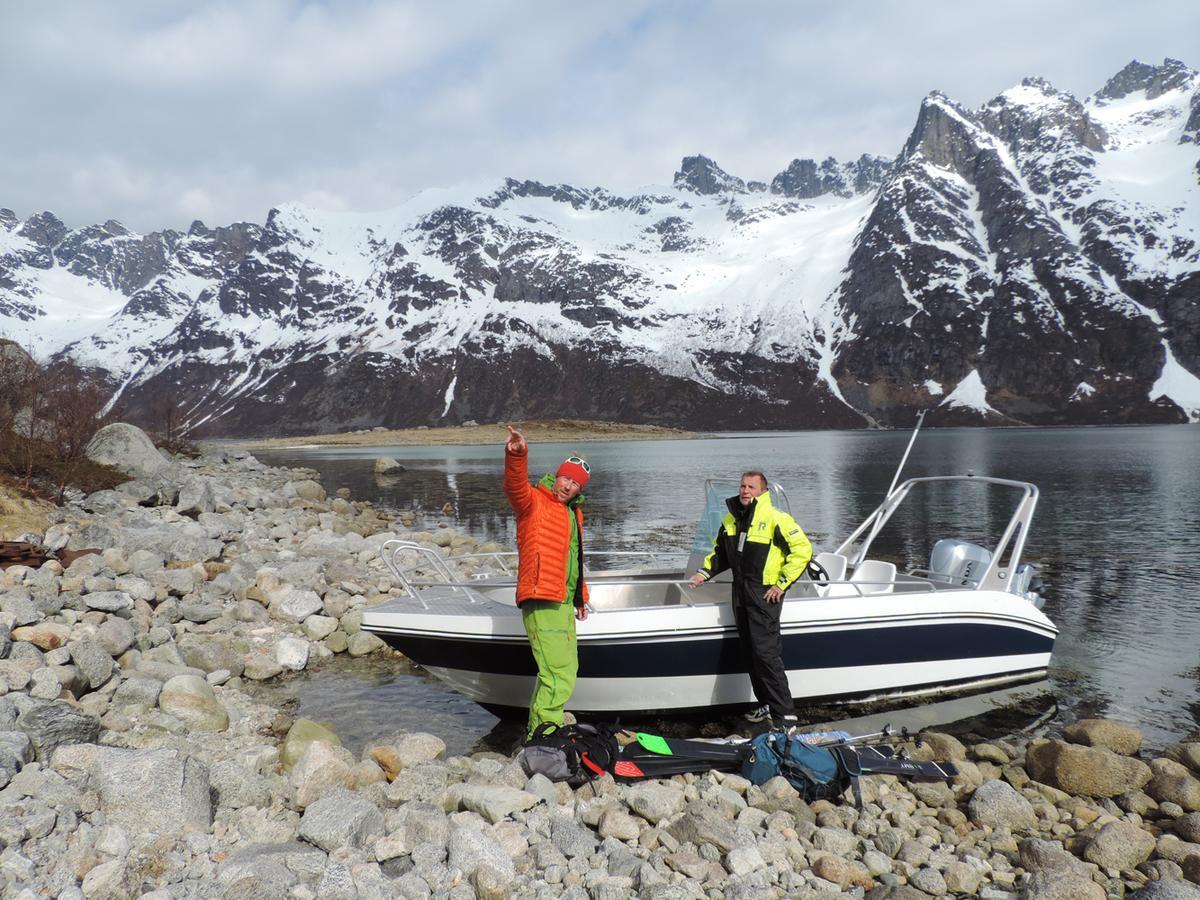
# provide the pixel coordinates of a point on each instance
(704, 176)
(1154, 80)
(804, 179)
(945, 134)
(8, 218)
(45, 229)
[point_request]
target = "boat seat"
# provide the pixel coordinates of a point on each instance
(875, 570)
(835, 565)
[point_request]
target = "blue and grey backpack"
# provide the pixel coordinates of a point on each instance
(818, 773)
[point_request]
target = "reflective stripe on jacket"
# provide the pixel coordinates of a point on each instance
(543, 536)
(761, 543)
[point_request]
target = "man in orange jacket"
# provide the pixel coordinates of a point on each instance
(550, 588)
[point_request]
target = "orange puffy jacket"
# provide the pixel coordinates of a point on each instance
(543, 536)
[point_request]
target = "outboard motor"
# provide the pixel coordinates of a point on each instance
(959, 562)
(1027, 583)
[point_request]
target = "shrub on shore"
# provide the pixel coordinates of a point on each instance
(48, 414)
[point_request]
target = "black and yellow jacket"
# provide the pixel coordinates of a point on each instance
(760, 543)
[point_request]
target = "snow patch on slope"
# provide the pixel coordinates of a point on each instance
(970, 394)
(1179, 385)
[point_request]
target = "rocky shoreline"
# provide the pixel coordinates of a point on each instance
(134, 759)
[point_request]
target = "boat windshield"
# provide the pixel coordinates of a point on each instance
(715, 495)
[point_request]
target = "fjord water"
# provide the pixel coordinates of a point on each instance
(1116, 533)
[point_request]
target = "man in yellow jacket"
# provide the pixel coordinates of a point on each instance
(767, 552)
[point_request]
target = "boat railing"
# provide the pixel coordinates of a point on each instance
(504, 558)
(856, 589)
(390, 551)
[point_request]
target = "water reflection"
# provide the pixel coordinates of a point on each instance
(1114, 531)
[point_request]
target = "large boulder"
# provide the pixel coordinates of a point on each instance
(321, 768)
(996, 803)
(302, 733)
(655, 801)
(1166, 890)
(1091, 771)
(1173, 783)
(127, 449)
(1120, 845)
(469, 848)
(1106, 734)
(53, 725)
(1186, 753)
(190, 699)
(162, 791)
(341, 819)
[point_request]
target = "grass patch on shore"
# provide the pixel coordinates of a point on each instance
(536, 430)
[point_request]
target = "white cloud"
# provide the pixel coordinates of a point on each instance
(156, 113)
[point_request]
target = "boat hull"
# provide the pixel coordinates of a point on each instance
(685, 658)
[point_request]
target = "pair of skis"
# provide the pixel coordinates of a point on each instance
(654, 756)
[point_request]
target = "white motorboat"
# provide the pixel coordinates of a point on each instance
(858, 628)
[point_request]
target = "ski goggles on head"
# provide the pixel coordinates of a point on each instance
(575, 468)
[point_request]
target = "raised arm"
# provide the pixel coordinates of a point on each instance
(516, 472)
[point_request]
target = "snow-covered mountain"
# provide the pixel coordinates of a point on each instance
(1035, 260)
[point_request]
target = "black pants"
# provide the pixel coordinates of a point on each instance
(762, 646)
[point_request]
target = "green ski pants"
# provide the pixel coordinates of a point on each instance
(551, 630)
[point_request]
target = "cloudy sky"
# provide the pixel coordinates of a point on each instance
(158, 112)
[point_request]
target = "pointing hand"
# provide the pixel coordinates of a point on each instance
(516, 441)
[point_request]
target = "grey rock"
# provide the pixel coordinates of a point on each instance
(361, 643)
(703, 828)
(1039, 855)
(283, 865)
(835, 840)
(127, 449)
(1167, 890)
(295, 605)
(572, 839)
(45, 684)
(112, 880)
(996, 803)
(468, 849)
(94, 662)
(209, 654)
(115, 635)
(1120, 845)
(196, 496)
(21, 607)
(341, 818)
(142, 790)
(655, 801)
(190, 699)
(108, 601)
(1188, 827)
(494, 802)
(137, 691)
(237, 787)
(199, 611)
(1091, 771)
(260, 668)
(928, 880)
(53, 725)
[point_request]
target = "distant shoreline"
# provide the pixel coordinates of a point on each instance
(537, 430)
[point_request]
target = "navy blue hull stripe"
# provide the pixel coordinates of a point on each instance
(722, 655)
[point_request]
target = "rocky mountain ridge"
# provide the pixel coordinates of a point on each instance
(1036, 260)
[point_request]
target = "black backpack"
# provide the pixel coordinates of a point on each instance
(571, 753)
